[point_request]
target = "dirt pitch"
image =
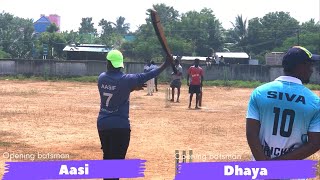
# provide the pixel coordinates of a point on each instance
(42, 118)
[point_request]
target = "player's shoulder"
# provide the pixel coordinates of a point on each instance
(130, 76)
(191, 69)
(309, 93)
(266, 87)
(103, 74)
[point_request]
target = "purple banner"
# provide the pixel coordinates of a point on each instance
(247, 170)
(84, 169)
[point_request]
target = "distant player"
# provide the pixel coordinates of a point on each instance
(283, 117)
(154, 66)
(113, 119)
(176, 80)
(150, 83)
(208, 61)
(195, 83)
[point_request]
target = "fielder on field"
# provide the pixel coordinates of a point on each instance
(195, 84)
(283, 117)
(113, 119)
(154, 66)
(150, 83)
(176, 80)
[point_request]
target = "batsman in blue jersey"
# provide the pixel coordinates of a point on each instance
(283, 117)
(115, 88)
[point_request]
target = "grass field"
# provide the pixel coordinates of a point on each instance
(44, 117)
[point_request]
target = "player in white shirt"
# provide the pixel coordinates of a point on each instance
(150, 83)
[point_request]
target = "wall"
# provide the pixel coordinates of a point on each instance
(93, 68)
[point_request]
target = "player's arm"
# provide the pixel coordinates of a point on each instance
(137, 81)
(309, 148)
(202, 79)
(188, 76)
(188, 79)
(253, 126)
(179, 71)
(306, 150)
(252, 133)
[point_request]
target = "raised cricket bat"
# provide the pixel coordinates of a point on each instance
(162, 38)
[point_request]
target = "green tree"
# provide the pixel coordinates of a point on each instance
(71, 37)
(270, 31)
(180, 46)
(108, 33)
(203, 30)
(192, 33)
(16, 35)
(4, 54)
(87, 26)
(55, 42)
(256, 37)
(147, 50)
(239, 33)
(87, 31)
(121, 27)
(310, 26)
(146, 45)
(167, 14)
(309, 40)
(52, 28)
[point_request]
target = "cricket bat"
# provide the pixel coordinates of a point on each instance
(162, 38)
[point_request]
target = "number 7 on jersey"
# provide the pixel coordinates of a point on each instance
(109, 96)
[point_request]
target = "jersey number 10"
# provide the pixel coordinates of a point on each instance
(285, 113)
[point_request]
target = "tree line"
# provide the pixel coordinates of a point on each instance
(198, 33)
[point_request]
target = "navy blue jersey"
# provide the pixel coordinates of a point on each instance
(115, 88)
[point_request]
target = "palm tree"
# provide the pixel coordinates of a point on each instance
(240, 32)
(107, 28)
(121, 27)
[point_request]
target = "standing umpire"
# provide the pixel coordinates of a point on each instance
(113, 119)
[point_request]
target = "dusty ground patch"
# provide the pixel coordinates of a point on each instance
(60, 118)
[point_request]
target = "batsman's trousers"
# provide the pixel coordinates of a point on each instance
(114, 143)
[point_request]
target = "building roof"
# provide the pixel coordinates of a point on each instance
(87, 48)
(191, 58)
(238, 55)
(41, 24)
(129, 38)
(43, 19)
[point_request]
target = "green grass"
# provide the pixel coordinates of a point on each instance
(239, 84)
(313, 86)
(223, 83)
(93, 79)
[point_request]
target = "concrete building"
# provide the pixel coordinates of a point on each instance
(86, 52)
(44, 22)
(228, 58)
(54, 18)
